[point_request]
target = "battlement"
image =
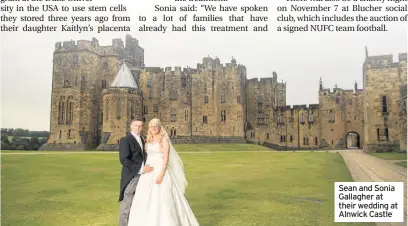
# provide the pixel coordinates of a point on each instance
(402, 57)
(117, 48)
(210, 63)
(171, 70)
(298, 107)
(266, 80)
(385, 61)
(281, 85)
(339, 91)
(90, 46)
(179, 70)
(155, 70)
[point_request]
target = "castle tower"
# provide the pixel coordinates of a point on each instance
(382, 77)
(320, 84)
(122, 103)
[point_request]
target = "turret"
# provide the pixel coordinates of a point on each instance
(320, 84)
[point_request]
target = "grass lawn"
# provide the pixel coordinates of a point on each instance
(258, 188)
(402, 163)
(390, 155)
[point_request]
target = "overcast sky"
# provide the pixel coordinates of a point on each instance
(299, 59)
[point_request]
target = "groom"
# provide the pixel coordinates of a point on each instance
(132, 157)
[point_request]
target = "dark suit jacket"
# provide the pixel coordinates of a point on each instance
(131, 158)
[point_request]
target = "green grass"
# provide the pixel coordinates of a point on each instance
(402, 163)
(259, 188)
(390, 155)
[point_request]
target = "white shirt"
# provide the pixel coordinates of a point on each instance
(139, 140)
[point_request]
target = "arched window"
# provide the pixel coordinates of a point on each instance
(331, 116)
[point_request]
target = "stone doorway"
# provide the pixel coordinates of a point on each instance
(352, 140)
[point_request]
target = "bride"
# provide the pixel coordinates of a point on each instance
(159, 198)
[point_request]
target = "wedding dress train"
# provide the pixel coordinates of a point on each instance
(159, 204)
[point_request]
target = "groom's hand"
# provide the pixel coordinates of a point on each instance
(147, 169)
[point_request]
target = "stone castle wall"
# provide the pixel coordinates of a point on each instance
(216, 103)
(382, 79)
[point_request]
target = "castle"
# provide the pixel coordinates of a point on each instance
(97, 90)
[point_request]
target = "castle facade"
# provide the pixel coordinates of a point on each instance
(97, 91)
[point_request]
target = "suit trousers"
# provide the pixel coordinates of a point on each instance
(126, 203)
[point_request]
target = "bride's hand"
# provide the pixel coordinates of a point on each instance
(159, 179)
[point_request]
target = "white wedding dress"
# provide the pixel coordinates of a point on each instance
(159, 204)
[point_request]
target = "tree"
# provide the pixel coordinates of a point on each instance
(4, 138)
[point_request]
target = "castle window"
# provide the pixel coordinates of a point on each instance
(205, 87)
(280, 118)
(105, 65)
(155, 108)
(186, 115)
(290, 138)
(103, 84)
(69, 133)
(149, 83)
(260, 101)
(205, 119)
(310, 117)
(173, 115)
(302, 118)
(305, 140)
(83, 82)
(118, 108)
(331, 116)
(132, 110)
(173, 132)
(70, 110)
(183, 82)
(61, 110)
(76, 59)
(222, 98)
(145, 109)
(239, 99)
(67, 80)
(60, 134)
(316, 141)
(384, 104)
(150, 93)
(223, 116)
(267, 135)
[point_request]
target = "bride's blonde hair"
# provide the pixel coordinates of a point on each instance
(154, 122)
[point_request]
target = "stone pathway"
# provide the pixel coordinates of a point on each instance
(367, 168)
